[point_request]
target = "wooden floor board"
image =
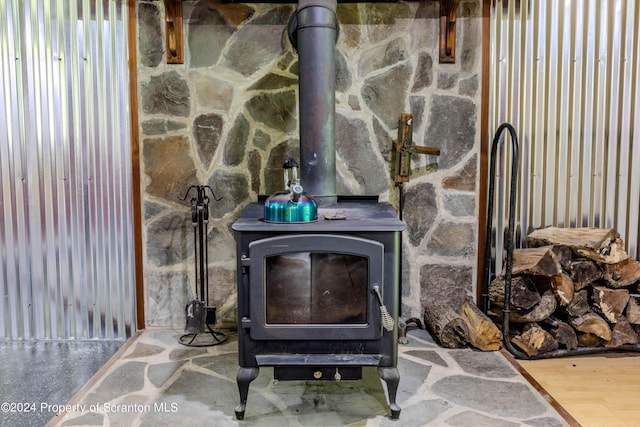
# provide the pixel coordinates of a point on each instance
(596, 390)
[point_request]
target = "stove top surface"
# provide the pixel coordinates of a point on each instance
(353, 214)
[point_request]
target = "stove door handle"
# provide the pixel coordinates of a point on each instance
(387, 320)
(375, 289)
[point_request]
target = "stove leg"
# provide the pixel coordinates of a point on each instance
(244, 378)
(391, 376)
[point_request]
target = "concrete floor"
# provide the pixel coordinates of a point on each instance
(156, 381)
(38, 376)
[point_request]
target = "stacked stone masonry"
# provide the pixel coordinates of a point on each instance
(227, 118)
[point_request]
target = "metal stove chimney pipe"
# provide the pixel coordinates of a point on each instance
(313, 30)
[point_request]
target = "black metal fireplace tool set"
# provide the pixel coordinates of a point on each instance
(199, 315)
(509, 239)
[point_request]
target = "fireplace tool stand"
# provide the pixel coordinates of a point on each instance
(199, 315)
(510, 238)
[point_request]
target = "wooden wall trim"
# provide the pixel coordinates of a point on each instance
(135, 163)
(484, 146)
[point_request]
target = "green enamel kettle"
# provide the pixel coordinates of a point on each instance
(292, 204)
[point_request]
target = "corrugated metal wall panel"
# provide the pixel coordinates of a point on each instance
(66, 233)
(566, 75)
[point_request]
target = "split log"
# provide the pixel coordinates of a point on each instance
(446, 325)
(592, 323)
(540, 261)
(541, 311)
(534, 340)
(579, 305)
(622, 274)
(564, 255)
(483, 333)
(584, 272)
(586, 339)
(562, 286)
(543, 283)
(610, 303)
(632, 313)
(561, 332)
(599, 244)
(622, 333)
(524, 294)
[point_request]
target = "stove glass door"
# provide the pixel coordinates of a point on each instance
(315, 286)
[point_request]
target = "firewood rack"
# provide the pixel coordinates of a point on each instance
(509, 247)
(199, 315)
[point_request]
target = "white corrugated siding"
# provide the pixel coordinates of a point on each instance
(66, 233)
(566, 74)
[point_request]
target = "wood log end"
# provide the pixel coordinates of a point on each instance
(592, 323)
(622, 333)
(621, 274)
(562, 288)
(483, 333)
(610, 303)
(535, 340)
(446, 326)
(632, 312)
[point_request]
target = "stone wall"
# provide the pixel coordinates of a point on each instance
(228, 118)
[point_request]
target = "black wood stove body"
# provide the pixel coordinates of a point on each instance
(311, 296)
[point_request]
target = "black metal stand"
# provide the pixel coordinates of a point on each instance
(200, 316)
(510, 237)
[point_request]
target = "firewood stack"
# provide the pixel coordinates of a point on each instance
(571, 288)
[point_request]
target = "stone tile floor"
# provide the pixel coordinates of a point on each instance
(158, 382)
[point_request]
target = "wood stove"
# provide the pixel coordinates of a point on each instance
(317, 299)
(311, 296)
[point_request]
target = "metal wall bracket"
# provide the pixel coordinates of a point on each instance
(405, 148)
(174, 36)
(448, 9)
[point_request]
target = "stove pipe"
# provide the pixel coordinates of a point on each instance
(313, 31)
